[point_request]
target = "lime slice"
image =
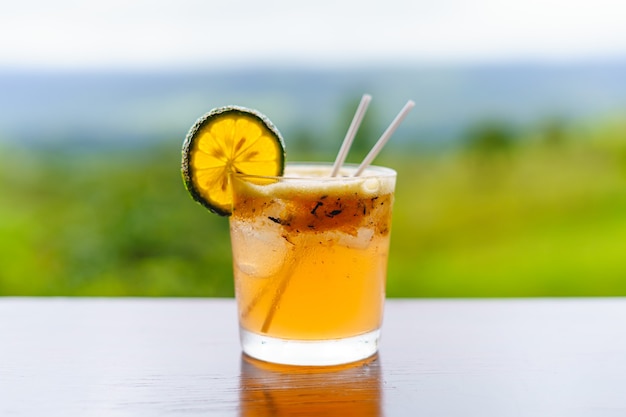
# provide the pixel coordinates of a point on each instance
(224, 141)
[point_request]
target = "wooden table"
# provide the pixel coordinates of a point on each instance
(180, 357)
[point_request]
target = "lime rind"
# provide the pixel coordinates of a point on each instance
(201, 128)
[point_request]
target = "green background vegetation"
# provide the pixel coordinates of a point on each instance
(540, 212)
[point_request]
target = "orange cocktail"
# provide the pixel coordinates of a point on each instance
(310, 258)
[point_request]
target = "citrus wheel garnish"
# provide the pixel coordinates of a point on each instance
(225, 141)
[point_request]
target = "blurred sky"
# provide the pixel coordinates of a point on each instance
(142, 34)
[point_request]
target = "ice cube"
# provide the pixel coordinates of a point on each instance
(360, 240)
(371, 185)
(259, 249)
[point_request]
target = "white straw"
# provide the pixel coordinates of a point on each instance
(347, 141)
(384, 138)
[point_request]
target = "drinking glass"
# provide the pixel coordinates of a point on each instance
(310, 258)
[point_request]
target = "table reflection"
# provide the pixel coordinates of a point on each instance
(275, 390)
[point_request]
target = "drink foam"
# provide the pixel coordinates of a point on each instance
(315, 178)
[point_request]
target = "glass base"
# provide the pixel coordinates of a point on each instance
(309, 352)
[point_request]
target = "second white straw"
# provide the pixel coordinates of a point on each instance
(350, 134)
(384, 138)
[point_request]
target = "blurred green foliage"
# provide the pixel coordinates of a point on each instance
(107, 224)
(507, 213)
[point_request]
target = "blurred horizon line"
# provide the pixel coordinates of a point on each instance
(322, 66)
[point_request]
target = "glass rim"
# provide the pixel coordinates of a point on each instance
(372, 171)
